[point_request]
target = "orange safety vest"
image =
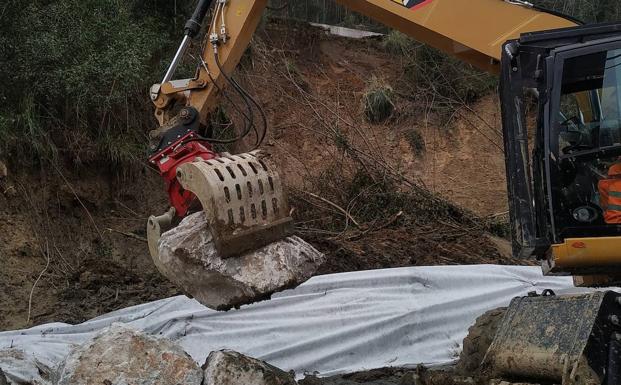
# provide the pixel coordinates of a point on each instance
(610, 199)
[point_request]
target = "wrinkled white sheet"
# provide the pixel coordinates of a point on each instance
(331, 324)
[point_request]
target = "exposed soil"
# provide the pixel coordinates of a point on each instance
(466, 165)
(68, 232)
(313, 94)
(91, 269)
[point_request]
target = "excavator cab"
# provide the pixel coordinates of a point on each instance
(560, 93)
(558, 196)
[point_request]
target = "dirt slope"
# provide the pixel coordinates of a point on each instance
(314, 90)
(63, 229)
(91, 269)
(466, 164)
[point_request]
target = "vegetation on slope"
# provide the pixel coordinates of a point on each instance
(75, 73)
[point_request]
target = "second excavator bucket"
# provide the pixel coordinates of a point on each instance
(243, 198)
(568, 340)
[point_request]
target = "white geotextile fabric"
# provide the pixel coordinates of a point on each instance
(331, 324)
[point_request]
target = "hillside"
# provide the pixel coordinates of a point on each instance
(421, 188)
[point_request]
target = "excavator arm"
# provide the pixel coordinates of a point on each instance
(473, 31)
(183, 106)
(230, 31)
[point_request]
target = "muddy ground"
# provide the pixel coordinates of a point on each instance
(72, 240)
(395, 376)
(386, 376)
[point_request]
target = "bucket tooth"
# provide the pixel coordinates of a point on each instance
(243, 197)
(156, 225)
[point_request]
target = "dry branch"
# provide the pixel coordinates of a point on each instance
(339, 208)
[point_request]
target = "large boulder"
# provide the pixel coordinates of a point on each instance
(232, 368)
(188, 258)
(120, 355)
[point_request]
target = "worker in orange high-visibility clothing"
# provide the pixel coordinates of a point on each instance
(610, 194)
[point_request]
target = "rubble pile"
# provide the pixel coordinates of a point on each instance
(121, 355)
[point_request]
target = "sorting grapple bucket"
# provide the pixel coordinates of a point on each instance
(242, 197)
(563, 339)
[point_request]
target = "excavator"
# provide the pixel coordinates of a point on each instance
(560, 96)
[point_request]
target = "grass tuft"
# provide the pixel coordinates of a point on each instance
(378, 101)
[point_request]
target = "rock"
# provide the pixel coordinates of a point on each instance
(311, 380)
(120, 355)
(410, 378)
(20, 367)
(3, 380)
(188, 258)
(232, 368)
(4, 172)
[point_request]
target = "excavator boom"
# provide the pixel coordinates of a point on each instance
(473, 31)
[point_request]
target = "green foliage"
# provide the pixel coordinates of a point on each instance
(499, 227)
(76, 74)
(369, 195)
(341, 141)
(441, 81)
(221, 127)
(377, 101)
(585, 10)
(31, 137)
(450, 77)
(398, 43)
(379, 198)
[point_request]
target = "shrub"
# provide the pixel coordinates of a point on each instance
(436, 76)
(398, 43)
(75, 78)
(587, 11)
(377, 101)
